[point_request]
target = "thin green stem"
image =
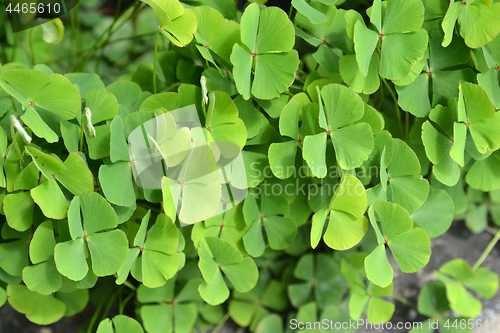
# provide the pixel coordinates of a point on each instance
(14, 49)
(156, 60)
(96, 314)
(75, 33)
(124, 303)
(81, 134)
(487, 251)
(31, 48)
(58, 59)
(78, 29)
(220, 324)
(130, 285)
(404, 301)
(382, 93)
(13, 104)
(104, 38)
(109, 305)
(101, 48)
(407, 124)
(396, 106)
(14, 140)
(203, 108)
(291, 12)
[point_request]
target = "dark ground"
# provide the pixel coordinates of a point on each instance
(458, 242)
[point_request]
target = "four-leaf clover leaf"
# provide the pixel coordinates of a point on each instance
(266, 52)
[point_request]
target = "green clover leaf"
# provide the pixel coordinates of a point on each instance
(91, 236)
(178, 310)
(352, 142)
(219, 256)
(436, 214)
(478, 22)
(43, 276)
(223, 123)
(153, 259)
(332, 30)
(177, 23)
(347, 225)
(18, 208)
(247, 309)
(53, 92)
(410, 246)
(440, 75)
(433, 303)
(319, 277)
(406, 186)
(282, 155)
(437, 136)
(402, 41)
(268, 39)
(484, 174)
(215, 34)
(14, 255)
(271, 323)
(266, 212)
(40, 309)
(229, 226)
(365, 296)
(477, 113)
(119, 324)
(314, 15)
(457, 276)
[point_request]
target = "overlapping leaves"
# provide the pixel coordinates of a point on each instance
(457, 276)
(398, 31)
(177, 23)
(365, 298)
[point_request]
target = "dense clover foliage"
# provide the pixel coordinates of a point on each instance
(363, 133)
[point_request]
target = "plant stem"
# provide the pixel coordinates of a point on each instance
(130, 285)
(14, 49)
(31, 47)
(407, 125)
(75, 33)
(124, 303)
(104, 38)
(487, 251)
(396, 106)
(109, 305)
(156, 60)
(81, 134)
(94, 317)
(221, 323)
(381, 98)
(13, 104)
(14, 140)
(404, 301)
(491, 230)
